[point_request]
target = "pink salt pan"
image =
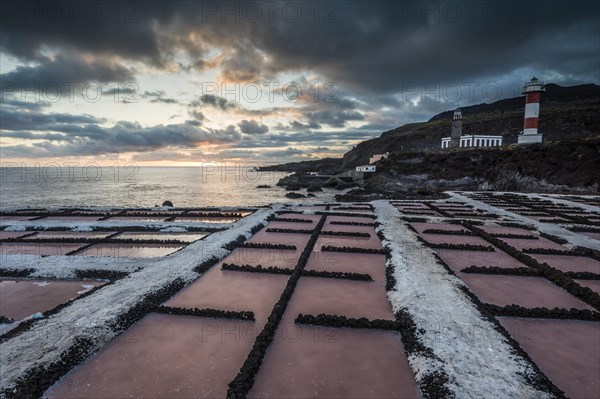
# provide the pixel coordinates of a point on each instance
(20, 298)
(417, 213)
(459, 259)
(454, 239)
(595, 236)
(520, 244)
(83, 212)
(354, 209)
(265, 257)
(453, 210)
(185, 237)
(26, 248)
(372, 242)
(137, 218)
(233, 291)
(163, 356)
(529, 292)
(290, 225)
(263, 237)
(421, 227)
(371, 264)
(594, 285)
(322, 362)
(315, 295)
(345, 219)
(154, 213)
(68, 219)
(567, 351)
(15, 218)
(567, 263)
(412, 208)
(352, 229)
(216, 219)
(12, 234)
(314, 218)
(505, 230)
(577, 214)
(70, 234)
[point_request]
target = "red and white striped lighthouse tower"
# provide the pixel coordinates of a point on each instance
(532, 91)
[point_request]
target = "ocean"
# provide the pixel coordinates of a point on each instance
(134, 186)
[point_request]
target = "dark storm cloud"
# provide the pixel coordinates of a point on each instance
(252, 127)
(306, 138)
(111, 28)
(382, 46)
(295, 125)
(333, 118)
(73, 135)
(9, 101)
(21, 119)
(72, 69)
(367, 45)
(36, 136)
(212, 100)
(197, 115)
(117, 91)
(243, 64)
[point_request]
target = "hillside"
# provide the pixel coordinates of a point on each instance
(566, 113)
(553, 166)
(329, 165)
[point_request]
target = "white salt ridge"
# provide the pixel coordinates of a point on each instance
(4, 328)
(476, 358)
(90, 317)
(174, 229)
(560, 201)
(63, 267)
(572, 237)
(115, 224)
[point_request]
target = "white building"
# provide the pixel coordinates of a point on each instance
(366, 168)
(475, 140)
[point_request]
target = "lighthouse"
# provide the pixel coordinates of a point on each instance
(456, 129)
(532, 90)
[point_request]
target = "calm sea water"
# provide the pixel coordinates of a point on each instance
(133, 186)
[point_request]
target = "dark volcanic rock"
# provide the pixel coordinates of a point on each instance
(295, 195)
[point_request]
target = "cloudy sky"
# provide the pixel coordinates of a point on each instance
(178, 83)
